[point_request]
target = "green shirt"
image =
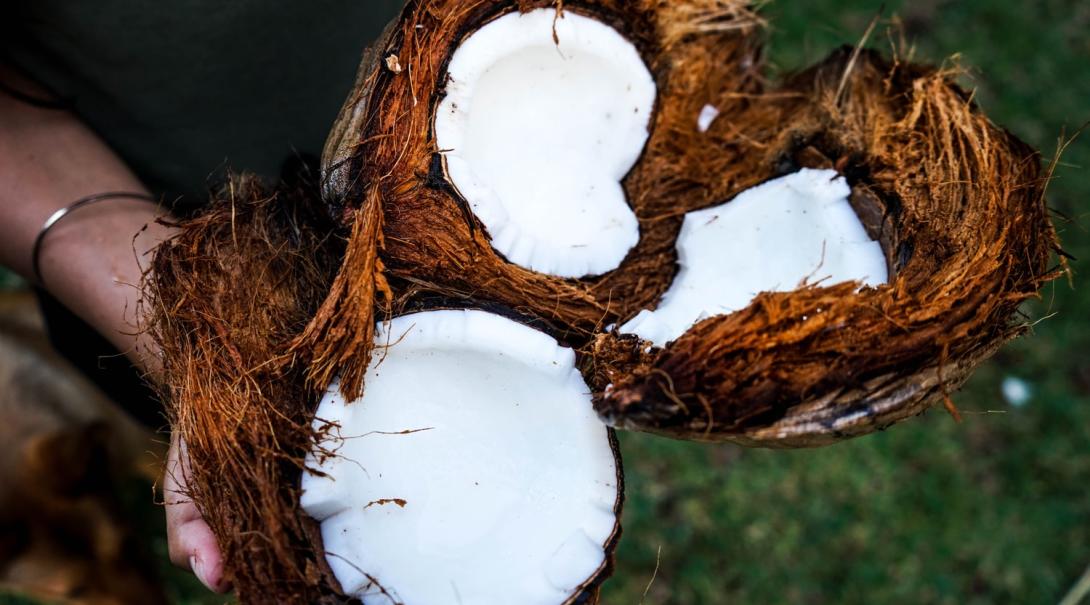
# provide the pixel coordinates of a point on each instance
(182, 89)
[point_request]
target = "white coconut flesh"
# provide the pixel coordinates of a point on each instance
(775, 237)
(473, 471)
(537, 134)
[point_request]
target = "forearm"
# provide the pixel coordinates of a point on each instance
(93, 259)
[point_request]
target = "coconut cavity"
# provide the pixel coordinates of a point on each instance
(544, 115)
(789, 232)
(473, 470)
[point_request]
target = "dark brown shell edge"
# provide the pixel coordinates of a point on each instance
(588, 593)
(342, 141)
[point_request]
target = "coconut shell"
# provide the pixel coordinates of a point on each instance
(233, 301)
(956, 202)
(958, 205)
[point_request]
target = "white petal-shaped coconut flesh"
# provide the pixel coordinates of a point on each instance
(473, 471)
(771, 238)
(537, 133)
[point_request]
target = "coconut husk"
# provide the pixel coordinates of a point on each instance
(958, 205)
(257, 307)
(228, 297)
(956, 202)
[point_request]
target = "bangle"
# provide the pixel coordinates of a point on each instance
(56, 217)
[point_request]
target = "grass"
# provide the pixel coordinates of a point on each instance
(994, 510)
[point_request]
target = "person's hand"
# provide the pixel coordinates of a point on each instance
(191, 542)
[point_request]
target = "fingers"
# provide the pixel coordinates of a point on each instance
(192, 544)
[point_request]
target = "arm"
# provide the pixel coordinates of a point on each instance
(91, 261)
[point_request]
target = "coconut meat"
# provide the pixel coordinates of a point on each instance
(537, 133)
(775, 237)
(473, 470)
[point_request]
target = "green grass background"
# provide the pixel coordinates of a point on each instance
(994, 510)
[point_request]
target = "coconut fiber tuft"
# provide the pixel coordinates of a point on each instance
(262, 300)
(229, 296)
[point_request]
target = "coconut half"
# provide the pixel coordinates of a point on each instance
(544, 115)
(795, 230)
(473, 470)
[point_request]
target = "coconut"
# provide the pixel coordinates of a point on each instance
(473, 470)
(900, 288)
(801, 227)
(520, 110)
(812, 260)
(957, 205)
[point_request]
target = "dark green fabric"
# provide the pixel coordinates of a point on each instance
(184, 88)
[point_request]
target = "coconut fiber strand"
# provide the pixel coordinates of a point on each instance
(231, 293)
(262, 300)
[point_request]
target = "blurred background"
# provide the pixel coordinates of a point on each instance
(993, 510)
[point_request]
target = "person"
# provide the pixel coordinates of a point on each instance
(140, 101)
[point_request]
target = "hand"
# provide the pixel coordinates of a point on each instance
(191, 542)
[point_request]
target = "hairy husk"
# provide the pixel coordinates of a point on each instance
(228, 297)
(258, 306)
(957, 204)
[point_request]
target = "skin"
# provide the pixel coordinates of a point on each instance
(91, 261)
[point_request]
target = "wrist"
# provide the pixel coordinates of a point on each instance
(67, 211)
(93, 262)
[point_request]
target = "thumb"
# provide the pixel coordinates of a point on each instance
(192, 545)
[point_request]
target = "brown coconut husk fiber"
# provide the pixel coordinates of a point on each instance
(231, 293)
(958, 205)
(258, 304)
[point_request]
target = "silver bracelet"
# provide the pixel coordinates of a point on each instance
(56, 217)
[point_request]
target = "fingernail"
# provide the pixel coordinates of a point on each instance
(198, 570)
